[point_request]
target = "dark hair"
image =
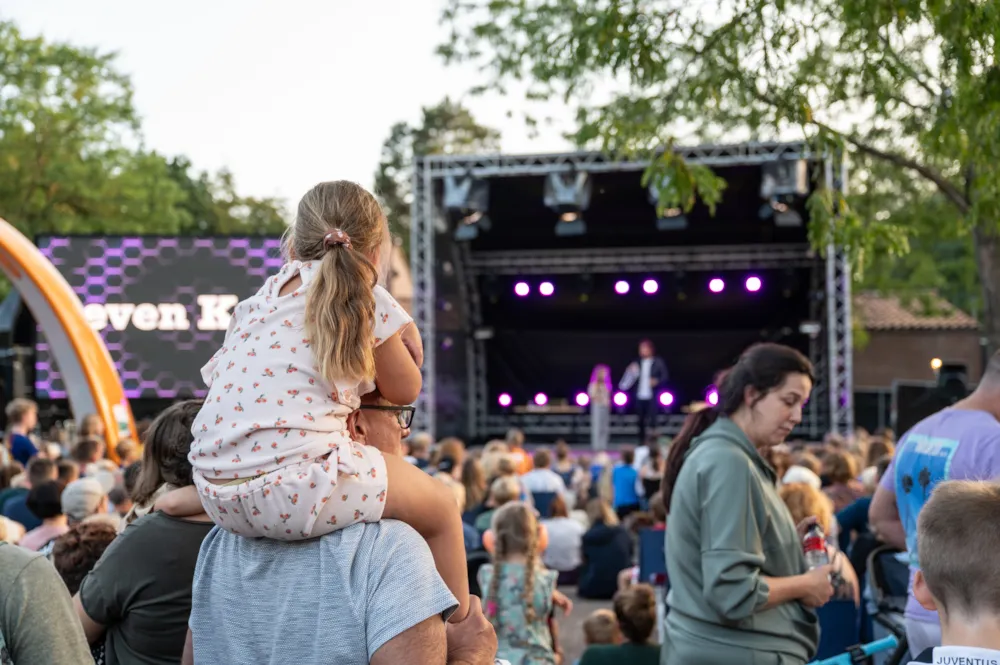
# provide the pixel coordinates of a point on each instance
(628, 456)
(635, 609)
(85, 449)
(75, 553)
(130, 476)
(67, 470)
(542, 458)
(165, 452)
(40, 470)
(117, 495)
(762, 367)
(45, 501)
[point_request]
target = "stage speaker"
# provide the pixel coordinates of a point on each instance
(953, 381)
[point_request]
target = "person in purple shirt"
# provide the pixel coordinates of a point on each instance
(961, 442)
(22, 416)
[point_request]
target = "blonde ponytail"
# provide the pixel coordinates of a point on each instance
(340, 304)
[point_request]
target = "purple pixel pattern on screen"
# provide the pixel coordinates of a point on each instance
(153, 269)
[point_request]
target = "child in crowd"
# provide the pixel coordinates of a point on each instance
(272, 455)
(601, 627)
(635, 612)
(958, 537)
(128, 452)
(520, 593)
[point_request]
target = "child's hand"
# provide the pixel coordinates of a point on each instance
(560, 600)
(410, 337)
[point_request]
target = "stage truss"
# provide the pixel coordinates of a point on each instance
(831, 407)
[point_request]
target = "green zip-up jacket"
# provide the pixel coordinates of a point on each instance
(727, 530)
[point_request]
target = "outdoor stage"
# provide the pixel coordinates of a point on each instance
(530, 270)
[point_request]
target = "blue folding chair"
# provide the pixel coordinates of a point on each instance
(543, 502)
(652, 557)
(840, 628)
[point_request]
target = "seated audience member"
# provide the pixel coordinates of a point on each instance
(651, 470)
(45, 501)
(376, 582)
(623, 481)
(563, 554)
(420, 450)
(607, 550)
(37, 625)
(542, 478)
(502, 491)
(853, 519)
(128, 452)
(493, 452)
(474, 480)
(635, 610)
(515, 446)
(22, 417)
(958, 536)
(809, 461)
(67, 471)
(451, 452)
(566, 467)
(40, 471)
(120, 501)
(130, 476)
(137, 599)
(841, 469)
(601, 627)
(658, 511)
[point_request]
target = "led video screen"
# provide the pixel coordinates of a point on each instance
(161, 304)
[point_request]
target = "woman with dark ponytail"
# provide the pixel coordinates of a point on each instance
(740, 590)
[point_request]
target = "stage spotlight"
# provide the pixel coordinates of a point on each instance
(582, 399)
(466, 201)
(753, 284)
(781, 184)
(504, 400)
(666, 399)
(712, 396)
(650, 286)
(568, 195)
(541, 399)
(546, 289)
(620, 399)
(621, 287)
(667, 219)
(522, 289)
(716, 285)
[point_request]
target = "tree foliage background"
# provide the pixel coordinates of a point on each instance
(72, 159)
(908, 90)
(447, 128)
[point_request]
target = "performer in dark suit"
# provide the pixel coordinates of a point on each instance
(645, 374)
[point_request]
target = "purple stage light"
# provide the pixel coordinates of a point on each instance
(650, 286)
(546, 288)
(541, 399)
(621, 399)
(582, 399)
(621, 287)
(753, 284)
(504, 400)
(522, 289)
(666, 399)
(712, 396)
(716, 285)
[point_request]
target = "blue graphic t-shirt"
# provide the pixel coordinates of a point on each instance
(954, 444)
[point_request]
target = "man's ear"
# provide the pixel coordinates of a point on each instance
(356, 426)
(922, 593)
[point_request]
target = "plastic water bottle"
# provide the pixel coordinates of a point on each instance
(814, 546)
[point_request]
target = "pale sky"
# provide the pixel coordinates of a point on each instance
(284, 94)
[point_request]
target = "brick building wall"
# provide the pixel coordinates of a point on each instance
(906, 355)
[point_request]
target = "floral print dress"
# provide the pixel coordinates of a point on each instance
(519, 641)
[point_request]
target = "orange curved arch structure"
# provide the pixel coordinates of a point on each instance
(92, 381)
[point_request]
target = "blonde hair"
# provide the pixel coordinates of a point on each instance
(91, 427)
(515, 533)
(497, 463)
(504, 490)
(958, 535)
(806, 501)
(18, 408)
(599, 512)
(340, 303)
(601, 627)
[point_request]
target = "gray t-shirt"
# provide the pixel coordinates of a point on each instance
(332, 600)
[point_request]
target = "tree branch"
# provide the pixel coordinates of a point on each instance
(906, 66)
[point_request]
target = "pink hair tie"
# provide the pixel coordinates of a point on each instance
(336, 238)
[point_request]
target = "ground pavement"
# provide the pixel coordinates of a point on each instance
(571, 627)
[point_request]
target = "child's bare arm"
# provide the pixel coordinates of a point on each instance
(397, 376)
(183, 502)
(429, 506)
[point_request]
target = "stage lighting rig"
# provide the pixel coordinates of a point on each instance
(667, 219)
(568, 195)
(467, 201)
(781, 184)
